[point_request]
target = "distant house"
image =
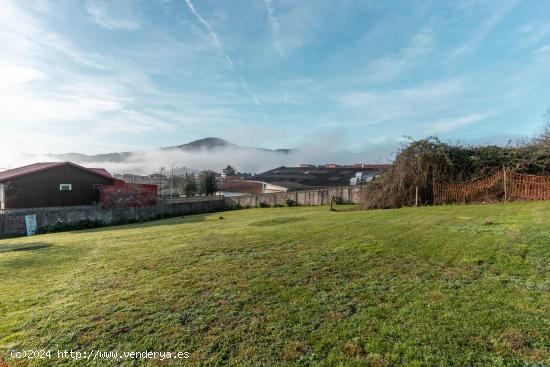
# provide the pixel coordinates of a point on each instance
(53, 184)
(308, 176)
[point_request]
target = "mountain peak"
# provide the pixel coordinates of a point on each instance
(205, 143)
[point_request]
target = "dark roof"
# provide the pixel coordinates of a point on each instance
(306, 177)
(43, 166)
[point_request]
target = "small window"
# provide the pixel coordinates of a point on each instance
(65, 187)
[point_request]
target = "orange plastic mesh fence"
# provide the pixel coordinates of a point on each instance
(503, 184)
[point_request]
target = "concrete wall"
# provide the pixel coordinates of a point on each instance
(12, 221)
(321, 196)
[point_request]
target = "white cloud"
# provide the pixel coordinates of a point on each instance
(536, 34)
(110, 16)
(38, 95)
(12, 75)
(274, 25)
(405, 104)
(482, 31)
(542, 53)
(392, 67)
(24, 37)
(208, 27)
(215, 39)
(446, 125)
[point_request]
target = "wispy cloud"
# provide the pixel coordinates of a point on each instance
(38, 95)
(274, 25)
(211, 32)
(406, 103)
(391, 67)
(215, 39)
(536, 34)
(446, 125)
(101, 14)
(481, 33)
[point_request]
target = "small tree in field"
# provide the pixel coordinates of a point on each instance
(208, 182)
(189, 185)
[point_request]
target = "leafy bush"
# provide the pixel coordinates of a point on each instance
(290, 202)
(263, 205)
(423, 162)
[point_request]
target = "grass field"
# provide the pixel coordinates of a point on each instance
(456, 285)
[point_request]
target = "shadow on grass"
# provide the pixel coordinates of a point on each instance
(276, 221)
(23, 247)
(184, 219)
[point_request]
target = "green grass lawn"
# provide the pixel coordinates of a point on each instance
(455, 285)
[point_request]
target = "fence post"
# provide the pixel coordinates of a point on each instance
(504, 178)
(416, 196)
(433, 190)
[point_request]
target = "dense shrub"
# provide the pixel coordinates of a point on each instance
(423, 162)
(290, 202)
(263, 205)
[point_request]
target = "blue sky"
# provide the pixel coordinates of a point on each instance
(100, 76)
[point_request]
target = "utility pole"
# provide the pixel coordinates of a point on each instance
(172, 179)
(162, 181)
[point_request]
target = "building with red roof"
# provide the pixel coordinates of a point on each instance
(53, 184)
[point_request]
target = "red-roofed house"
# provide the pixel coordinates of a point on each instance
(52, 184)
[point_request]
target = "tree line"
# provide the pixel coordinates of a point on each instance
(207, 182)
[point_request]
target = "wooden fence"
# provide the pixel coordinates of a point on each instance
(501, 186)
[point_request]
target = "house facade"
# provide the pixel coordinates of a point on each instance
(52, 184)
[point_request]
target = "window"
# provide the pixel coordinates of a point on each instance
(65, 187)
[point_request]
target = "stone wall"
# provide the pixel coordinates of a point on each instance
(12, 221)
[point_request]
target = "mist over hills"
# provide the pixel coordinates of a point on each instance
(215, 153)
(210, 152)
(207, 144)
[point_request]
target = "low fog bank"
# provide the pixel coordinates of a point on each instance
(243, 159)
